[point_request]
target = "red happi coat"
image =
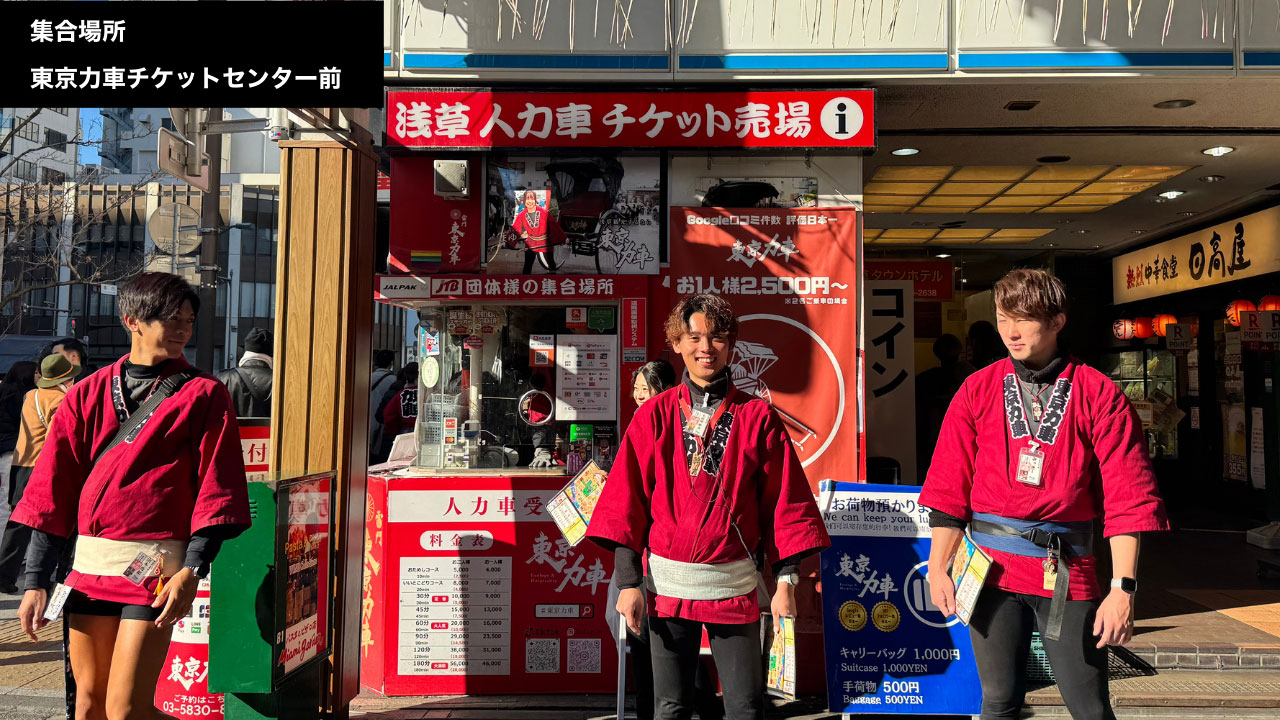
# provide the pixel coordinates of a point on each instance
(183, 472)
(1096, 468)
(649, 501)
(543, 234)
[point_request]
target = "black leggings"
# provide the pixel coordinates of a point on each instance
(1001, 632)
(545, 259)
(675, 645)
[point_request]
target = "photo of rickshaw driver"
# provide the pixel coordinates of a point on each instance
(540, 232)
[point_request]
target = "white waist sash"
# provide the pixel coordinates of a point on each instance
(701, 581)
(102, 556)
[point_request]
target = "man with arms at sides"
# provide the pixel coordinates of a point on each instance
(707, 485)
(1033, 450)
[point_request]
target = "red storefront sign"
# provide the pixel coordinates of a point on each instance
(932, 279)
(182, 691)
(430, 233)
(782, 119)
(791, 276)
(581, 288)
(471, 589)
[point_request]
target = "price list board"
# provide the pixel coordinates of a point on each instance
(455, 616)
(469, 588)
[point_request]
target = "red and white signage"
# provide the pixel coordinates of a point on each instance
(633, 340)
(471, 589)
(782, 119)
(182, 690)
(1260, 330)
(581, 288)
(791, 276)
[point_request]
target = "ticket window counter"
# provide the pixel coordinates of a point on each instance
(469, 586)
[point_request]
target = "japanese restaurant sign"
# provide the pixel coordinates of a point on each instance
(1243, 248)
(762, 119)
(791, 275)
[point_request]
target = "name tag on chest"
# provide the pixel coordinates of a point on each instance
(1030, 466)
(698, 422)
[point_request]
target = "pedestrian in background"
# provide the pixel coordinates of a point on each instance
(399, 408)
(934, 389)
(985, 345)
(57, 374)
(20, 379)
(250, 382)
(379, 383)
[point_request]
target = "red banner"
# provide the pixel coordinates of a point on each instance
(430, 233)
(931, 279)
(783, 119)
(791, 275)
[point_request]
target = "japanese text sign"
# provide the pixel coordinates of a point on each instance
(91, 54)
(783, 119)
(791, 276)
(584, 288)
(889, 649)
(1260, 330)
(1243, 248)
(890, 374)
(930, 279)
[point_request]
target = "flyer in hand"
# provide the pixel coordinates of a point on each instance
(573, 506)
(781, 681)
(969, 570)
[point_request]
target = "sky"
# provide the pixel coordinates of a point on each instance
(91, 126)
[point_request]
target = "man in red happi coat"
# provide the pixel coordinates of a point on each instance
(708, 488)
(1033, 450)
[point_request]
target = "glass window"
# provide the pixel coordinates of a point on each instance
(218, 356)
(245, 310)
(264, 241)
(247, 244)
(262, 299)
(77, 300)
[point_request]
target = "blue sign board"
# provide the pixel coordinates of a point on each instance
(889, 649)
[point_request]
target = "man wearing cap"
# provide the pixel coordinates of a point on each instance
(57, 373)
(250, 382)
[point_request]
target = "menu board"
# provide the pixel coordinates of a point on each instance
(306, 518)
(586, 377)
(455, 616)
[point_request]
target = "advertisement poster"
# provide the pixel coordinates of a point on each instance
(599, 213)
(182, 690)
(306, 552)
(1235, 443)
(757, 192)
(791, 275)
(889, 650)
(891, 377)
(1257, 450)
(477, 592)
(586, 377)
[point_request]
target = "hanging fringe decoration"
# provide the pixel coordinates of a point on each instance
(1168, 23)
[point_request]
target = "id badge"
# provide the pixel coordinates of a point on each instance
(1030, 466)
(144, 566)
(698, 421)
(53, 610)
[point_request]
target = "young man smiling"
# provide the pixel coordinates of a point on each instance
(707, 484)
(1033, 450)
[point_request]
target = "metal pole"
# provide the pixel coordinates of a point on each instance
(210, 222)
(226, 333)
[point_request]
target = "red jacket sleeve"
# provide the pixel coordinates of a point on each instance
(1130, 499)
(950, 478)
(51, 501)
(391, 418)
(519, 224)
(622, 514)
(222, 497)
(790, 523)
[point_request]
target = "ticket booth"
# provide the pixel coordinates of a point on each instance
(526, 347)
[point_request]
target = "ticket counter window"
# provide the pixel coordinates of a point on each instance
(515, 388)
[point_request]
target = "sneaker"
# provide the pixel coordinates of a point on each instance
(8, 589)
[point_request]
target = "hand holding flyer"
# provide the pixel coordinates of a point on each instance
(969, 570)
(573, 506)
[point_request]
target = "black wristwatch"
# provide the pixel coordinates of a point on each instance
(1127, 584)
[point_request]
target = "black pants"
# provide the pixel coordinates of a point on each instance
(13, 545)
(545, 259)
(705, 699)
(1001, 632)
(675, 645)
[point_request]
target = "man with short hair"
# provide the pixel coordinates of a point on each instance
(381, 381)
(250, 382)
(1033, 450)
(707, 484)
(71, 349)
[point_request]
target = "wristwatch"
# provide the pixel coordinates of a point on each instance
(793, 579)
(200, 571)
(1127, 584)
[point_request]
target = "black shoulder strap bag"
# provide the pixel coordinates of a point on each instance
(133, 425)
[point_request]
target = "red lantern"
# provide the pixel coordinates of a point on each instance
(1142, 328)
(1195, 327)
(1270, 302)
(1162, 323)
(1122, 329)
(1237, 307)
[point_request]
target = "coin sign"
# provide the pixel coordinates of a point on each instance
(853, 616)
(885, 616)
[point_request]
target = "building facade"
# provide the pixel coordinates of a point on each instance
(38, 145)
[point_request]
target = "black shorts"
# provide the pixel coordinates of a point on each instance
(80, 604)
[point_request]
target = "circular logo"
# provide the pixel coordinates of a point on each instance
(919, 601)
(430, 372)
(885, 617)
(455, 213)
(841, 118)
(853, 616)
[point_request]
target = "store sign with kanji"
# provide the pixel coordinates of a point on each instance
(1237, 249)
(782, 119)
(1260, 330)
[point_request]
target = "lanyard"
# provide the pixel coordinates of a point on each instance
(711, 425)
(1016, 413)
(117, 396)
